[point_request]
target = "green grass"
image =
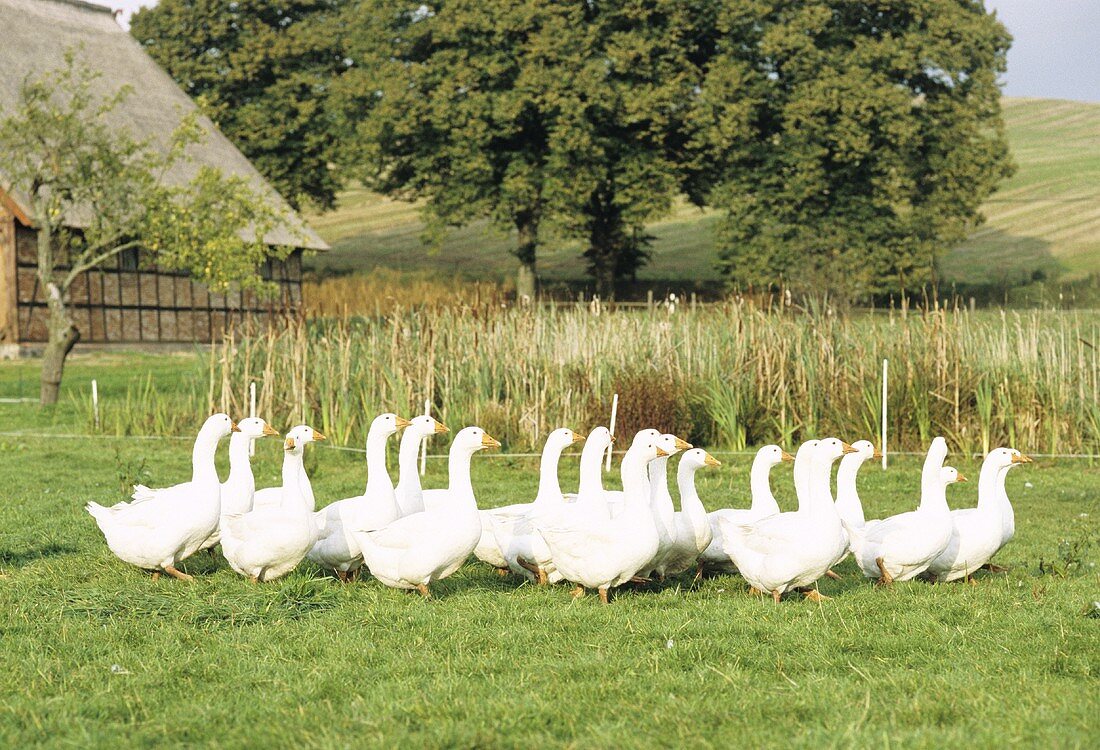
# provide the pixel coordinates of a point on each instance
(96, 654)
(1045, 218)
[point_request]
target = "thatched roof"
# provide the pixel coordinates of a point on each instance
(34, 35)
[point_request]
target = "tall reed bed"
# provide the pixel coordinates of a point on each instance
(726, 376)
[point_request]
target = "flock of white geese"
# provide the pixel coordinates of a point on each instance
(408, 537)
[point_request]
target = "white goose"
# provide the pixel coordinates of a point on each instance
(159, 532)
(590, 492)
(792, 550)
(522, 547)
(978, 533)
(693, 532)
(267, 543)
(614, 498)
(660, 502)
(714, 557)
(240, 486)
(848, 505)
(272, 497)
(336, 548)
(902, 547)
(416, 550)
(603, 554)
(410, 494)
(803, 469)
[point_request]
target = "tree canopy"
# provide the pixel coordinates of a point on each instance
(874, 134)
(262, 70)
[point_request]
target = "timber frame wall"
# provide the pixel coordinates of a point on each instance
(129, 300)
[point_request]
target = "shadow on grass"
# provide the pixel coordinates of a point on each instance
(21, 558)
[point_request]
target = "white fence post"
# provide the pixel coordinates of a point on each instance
(884, 391)
(424, 441)
(614, 413)
(252, 413)
(95, 403)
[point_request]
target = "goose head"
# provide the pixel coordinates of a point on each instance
(298, 437)
(951, 475)
(806, 450)
(425, 426)
(829, 450)
(254, 427)
(864, 450)
(671, 444)
(643, 435)
(562, 438)
(217, 426)
(472, 440)
(599, 439)
(771, 455)
(697, 458)
(387, 424)
(1006, 458)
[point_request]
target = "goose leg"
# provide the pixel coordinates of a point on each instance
(156, 575)
(342, 576)
(171, 570)
(753, 591)
(776, 596)
(502, 572)
(885, 579)
(816, 596)
(833, 574)
(994, 568)
(423, 589)
(698, 573)
(539, 573)
(603, 595)
(971, 580)
(578, 592)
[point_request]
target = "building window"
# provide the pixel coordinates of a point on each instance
(128, 259)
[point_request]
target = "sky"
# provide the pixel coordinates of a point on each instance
(1055, 53)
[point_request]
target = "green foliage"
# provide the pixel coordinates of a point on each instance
(263, 72)
(530, 114)
(862, 138)
(75, 166)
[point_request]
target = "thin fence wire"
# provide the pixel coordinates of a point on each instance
(350, 449)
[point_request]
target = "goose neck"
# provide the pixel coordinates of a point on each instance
(239, 462)
(460, 486)
(292, 476)
(202, 458)
(408, 473)
(549, 485)
(990, 484)
(760, 487)
(378, 477)
(591, 479)
(689, 495)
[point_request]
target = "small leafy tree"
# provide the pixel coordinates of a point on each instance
(871, 134)
(93, 191)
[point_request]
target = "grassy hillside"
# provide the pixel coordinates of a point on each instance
(1047, 218)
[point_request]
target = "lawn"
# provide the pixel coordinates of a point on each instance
(1045, 218)
(97, 654)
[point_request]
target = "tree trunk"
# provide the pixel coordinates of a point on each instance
(63, 336)
(527, 227)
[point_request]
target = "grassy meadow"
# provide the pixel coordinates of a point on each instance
(1044, 219)
(97, 654)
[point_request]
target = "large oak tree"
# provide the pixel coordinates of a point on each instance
(875, 133)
